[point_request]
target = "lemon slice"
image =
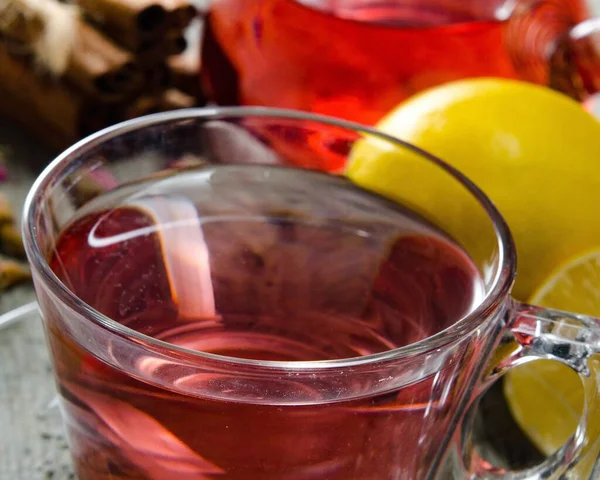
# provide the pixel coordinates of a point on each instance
(546, 400)
(574, 286)
(545, 397)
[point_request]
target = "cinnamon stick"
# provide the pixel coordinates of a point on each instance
(157, 52)
(100, 68)
(176, 45)
(129, 21)
(137, 24)
(95, 65)
(157, 79)
(131, 40)
(46, 106)
(144, 16)
(180, 13)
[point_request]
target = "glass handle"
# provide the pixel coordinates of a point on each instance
(575, 61)
(534, 333)
(554, 43)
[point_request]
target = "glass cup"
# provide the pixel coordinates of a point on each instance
(292, 343)
(358, 59)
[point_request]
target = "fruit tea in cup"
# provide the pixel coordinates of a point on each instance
(206, 260)
(213, 312)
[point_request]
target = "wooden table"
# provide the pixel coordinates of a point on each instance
(32, 441)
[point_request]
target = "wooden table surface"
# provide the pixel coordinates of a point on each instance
(32, 441)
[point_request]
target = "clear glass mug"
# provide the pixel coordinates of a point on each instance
(346, 385)
(358, 59)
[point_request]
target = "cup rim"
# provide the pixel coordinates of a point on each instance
(491, 301)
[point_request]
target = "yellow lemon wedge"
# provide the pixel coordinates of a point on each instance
(574, 286)
(546, 398)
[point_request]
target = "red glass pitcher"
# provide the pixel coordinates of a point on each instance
(357, 59)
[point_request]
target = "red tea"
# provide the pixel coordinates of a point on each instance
(250, 262)
(359, 59)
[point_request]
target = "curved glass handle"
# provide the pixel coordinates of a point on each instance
(575, 61)
(554, 43)
(535, 333)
